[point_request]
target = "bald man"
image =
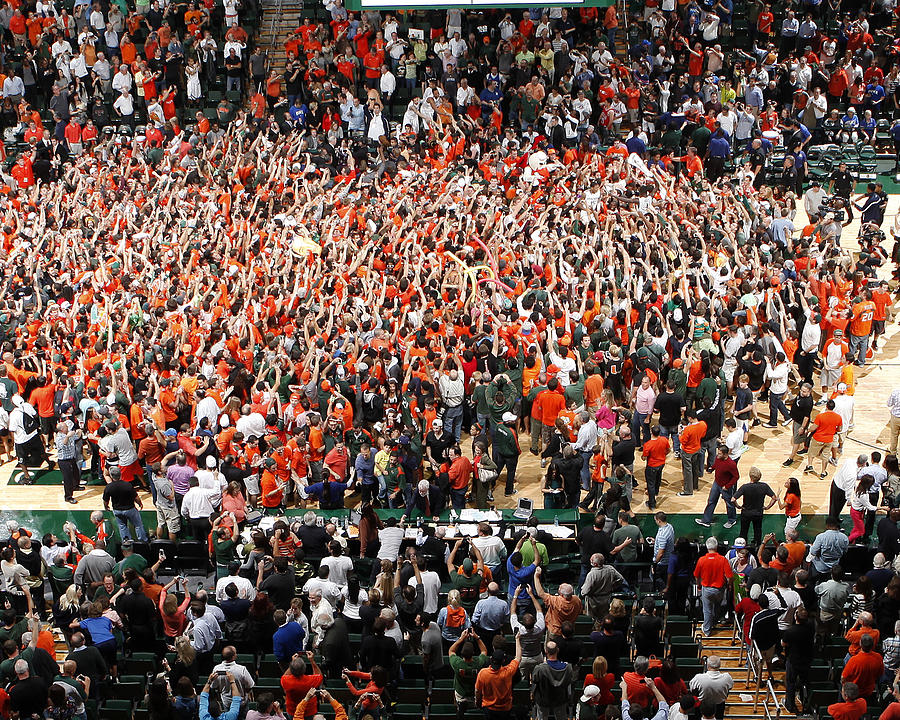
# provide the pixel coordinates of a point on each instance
(491, 614)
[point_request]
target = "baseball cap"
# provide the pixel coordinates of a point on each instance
(171, 432)
(210, 461)
(590, 692)
(739, 543)
(468, 565)
(508, 417)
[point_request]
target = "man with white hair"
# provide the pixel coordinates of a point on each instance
(600, 583)
(428, 500)
(562, 607)
(713, 572)
(93, 566)
(28, 696)
(25, 426)
(714, 685)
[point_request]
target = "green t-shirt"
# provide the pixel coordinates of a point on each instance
(629, 553)
(469, 589)
(528, 554)
(136, 562)
(465, 673)
(223, 550)
(575, 391)
(14, 633)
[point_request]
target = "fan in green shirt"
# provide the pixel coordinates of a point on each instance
(466, 664)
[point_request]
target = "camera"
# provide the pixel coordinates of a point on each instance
(833, 204)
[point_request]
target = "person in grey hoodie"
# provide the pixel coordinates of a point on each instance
(551, 685)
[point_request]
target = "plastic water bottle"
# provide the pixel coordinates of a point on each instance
(556, 520)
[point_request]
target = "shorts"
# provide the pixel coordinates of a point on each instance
(799, 435)
(816, 448)
(29, 449)
(830, 377)
(169, 518)
(48, 425)
(878, 327)
(251, 482)
(130, 472)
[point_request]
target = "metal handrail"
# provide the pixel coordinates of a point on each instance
(273, 33)
(770, 695)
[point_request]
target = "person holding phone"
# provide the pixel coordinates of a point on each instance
(211, 708)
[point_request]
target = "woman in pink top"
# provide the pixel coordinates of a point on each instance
(233, 501)
(643, 398)
(173, 617)
(606, 416)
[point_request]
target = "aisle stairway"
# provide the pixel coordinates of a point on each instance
(279, 20)
(720, 643)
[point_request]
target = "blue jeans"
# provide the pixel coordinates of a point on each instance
(859, 346)
(715, 492)
(776, 406)
(671, 432)
(458, 498)
(585, 469)
(453, 421)
(122, 518)
(640, 430)
(712, 599)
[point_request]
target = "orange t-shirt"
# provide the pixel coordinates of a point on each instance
(691, 436)
(655, 451)
(827, 424)
(863, 314)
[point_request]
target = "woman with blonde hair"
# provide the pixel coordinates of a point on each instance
(385, 581)
(65, 610)
(619, 615)
(453, 618)
(185, 664)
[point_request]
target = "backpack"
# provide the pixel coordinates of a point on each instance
(31, 422)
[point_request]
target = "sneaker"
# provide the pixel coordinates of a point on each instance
(730, 524)
(803, 450)
(755, 423)
(770, 425)
(787, 423)
(544, 463)
(685, 494)
(490, 497)
(823, 474)
(788, 462)
(702, 522)
(832, 461)
(510, 494)
(819, 402)
(809, 469)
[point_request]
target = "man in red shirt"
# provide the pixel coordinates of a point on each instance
(296, 684)
(853, 706)
(863, 669)
(654, 452)
(862, 315)
(691, 459)
(825, 427)
(882, 299)
(460, 475)
(713, 571)
(726, 479)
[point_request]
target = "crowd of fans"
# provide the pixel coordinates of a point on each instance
(379, 277)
